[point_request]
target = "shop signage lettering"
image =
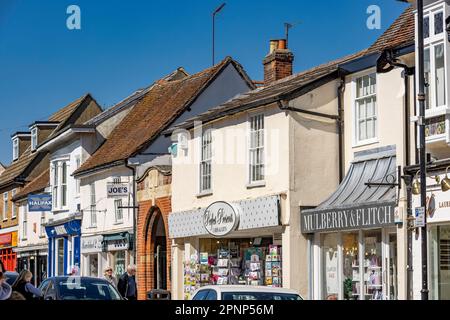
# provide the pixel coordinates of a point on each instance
(361, 217)
(220, 219)
(117, 190)
(114, 245)
(60, 230)
(8, 239)
(39, 202)
(91, 244)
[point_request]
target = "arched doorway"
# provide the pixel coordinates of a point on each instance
(159, 254)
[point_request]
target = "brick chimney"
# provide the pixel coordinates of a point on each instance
(278, 63)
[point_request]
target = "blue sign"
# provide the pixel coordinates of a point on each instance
(39, 202)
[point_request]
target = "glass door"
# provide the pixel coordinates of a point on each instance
(391, 271)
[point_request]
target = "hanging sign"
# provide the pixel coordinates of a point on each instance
(39, 202)
(117, 190)
(419, 222)
(220, 219)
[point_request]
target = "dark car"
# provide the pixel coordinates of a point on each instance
(11, 277)
(78, 288)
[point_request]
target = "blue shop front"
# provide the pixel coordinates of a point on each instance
(64, 247)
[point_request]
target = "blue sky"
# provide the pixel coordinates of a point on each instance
(125, 45)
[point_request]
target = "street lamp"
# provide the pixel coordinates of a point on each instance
(214, 29)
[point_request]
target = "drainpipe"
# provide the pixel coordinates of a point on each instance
(133, 170)
(340, 93)
(407, 71)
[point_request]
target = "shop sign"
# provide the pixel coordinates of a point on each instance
(220, 219)
(60, 230)
(39, 202)
(91, 244)
(368, 216)
(419, 222)
(8, 240)
(117, 190)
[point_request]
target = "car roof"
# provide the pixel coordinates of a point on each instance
(76, 277)
(241, 288)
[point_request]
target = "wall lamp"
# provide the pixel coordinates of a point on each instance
(445, 183)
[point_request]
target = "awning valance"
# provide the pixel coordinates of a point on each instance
(355, 204)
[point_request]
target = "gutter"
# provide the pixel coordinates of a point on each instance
(133, 170)
(340, 93)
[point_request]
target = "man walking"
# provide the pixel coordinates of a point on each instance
(127, 284)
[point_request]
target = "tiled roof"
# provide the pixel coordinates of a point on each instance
(38, 184)
(17, 168)
(400, 33)
(269, 94)
(163, 103)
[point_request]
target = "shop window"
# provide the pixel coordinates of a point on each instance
(205, 163)
(119, 263)
(60, 256)
(93, 265)
(330, 283)
(373, 267)
(256, 149)
(351, 267)
(366, 108)
(439, 269)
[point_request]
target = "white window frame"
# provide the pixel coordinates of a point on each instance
(25, 223)
(92, 205)
(253, 182)
(117, 180)
(356, 141)
(13, 205)
(34, 138)
(77, 181)
(118, 212)
(429, 44)
(5, 206)
(205, 159)
(15, 149)
(59, 187)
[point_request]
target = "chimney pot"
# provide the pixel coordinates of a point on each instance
(282, 44)
(273, 46)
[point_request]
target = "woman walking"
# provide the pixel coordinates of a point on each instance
(108, 276)
(24, 287)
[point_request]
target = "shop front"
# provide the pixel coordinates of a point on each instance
(438, 228)
(236, 243)
(353, 234)
(64, 247)
(8, 242)
(93, 257)
(119, 251)
(34, 259)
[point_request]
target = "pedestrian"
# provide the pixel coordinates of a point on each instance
(5, 288)
(127, 284)
(108, 276)
(24, 286)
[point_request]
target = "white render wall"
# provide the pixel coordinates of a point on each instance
(33, 218)
(105, 206)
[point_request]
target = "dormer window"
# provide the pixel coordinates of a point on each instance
(15, 148)
(34, 138)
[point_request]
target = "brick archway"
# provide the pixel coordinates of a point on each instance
(152, 231)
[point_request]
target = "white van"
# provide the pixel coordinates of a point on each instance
(245, 293)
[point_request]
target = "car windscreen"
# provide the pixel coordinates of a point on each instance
(245, 296)
(81, 289)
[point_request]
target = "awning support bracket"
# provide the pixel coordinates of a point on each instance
(388, 178)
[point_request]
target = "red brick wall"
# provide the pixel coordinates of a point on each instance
(147, 215)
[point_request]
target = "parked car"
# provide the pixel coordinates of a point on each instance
(245, 293)
(11, 277)
(78, 288)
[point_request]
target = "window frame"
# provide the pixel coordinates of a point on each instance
(118, 203)
(25, 223)
(5, 206)
(250, 149)
(42, 227)
(92, 206)
(34, 138)
(13, 205)
(205, 160)
(59, 184)
(15, 149)
(355, 116)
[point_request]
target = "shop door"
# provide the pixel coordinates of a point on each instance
(160, 253)
(390, 272)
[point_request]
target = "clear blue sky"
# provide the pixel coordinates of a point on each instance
(125, 45)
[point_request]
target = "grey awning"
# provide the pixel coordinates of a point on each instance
(355, 205)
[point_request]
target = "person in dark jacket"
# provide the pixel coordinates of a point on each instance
(25, 288)
(127, 284)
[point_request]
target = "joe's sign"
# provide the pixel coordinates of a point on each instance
(220, 219)
(117, 190)
(39, 202)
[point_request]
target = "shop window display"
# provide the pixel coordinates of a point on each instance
(373, 258)
(351, 266)
(440, 263)
(233, 262)
(330, 267)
